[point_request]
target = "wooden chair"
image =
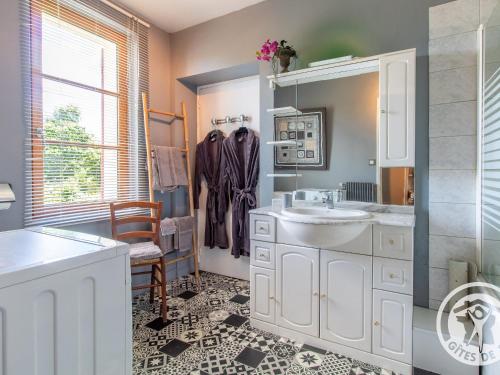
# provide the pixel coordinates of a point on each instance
(144, 253)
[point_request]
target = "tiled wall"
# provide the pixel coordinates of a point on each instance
(452, 143)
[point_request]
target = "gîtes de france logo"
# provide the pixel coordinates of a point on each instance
(470, 333)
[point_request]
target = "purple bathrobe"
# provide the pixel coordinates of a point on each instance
(240, 174)
(208, 161)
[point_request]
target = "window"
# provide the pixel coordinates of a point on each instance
(85, 145)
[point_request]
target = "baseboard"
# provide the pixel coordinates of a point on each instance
(386, 363)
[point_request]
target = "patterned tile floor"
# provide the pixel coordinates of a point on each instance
(208, 332)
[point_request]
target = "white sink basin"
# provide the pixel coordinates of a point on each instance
(321, 213)
(322, 228)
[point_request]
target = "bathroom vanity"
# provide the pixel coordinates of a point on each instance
(341, 279)
(344, 285)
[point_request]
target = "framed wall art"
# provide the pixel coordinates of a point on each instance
(308, 132)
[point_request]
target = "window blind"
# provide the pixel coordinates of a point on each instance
(85, 65)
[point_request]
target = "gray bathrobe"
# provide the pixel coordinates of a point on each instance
(240, 174)
(208, 161)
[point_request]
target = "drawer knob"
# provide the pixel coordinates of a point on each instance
(323, 296)
(376, 323)
(271, 297)
(393, 276)
(391, 242)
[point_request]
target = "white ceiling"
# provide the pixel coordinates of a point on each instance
(175, 15)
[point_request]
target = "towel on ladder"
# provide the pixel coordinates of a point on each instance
(176, 233)
(167, 231)
(169, 171)
(167, 226)
(184, 233)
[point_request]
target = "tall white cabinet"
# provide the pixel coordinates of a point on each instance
(397, 109)
(354, 304)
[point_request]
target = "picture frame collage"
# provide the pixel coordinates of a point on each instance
(308, 131)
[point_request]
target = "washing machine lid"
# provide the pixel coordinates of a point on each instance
(27, 254)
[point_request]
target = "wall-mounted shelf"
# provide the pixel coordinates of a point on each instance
(284, 111)
(342, 69)
(287, 175)
(336, 60)
(282, 143)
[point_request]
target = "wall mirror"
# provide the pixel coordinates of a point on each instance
(348, 127)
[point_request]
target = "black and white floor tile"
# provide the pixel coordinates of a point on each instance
(208, 332)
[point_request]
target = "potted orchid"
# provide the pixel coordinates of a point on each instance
(274, 51)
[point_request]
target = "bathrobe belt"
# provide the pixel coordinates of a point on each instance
(240, 196)
(213, 190)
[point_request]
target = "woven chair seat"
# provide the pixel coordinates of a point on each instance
(144, 250)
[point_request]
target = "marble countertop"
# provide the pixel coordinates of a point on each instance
(380, 215)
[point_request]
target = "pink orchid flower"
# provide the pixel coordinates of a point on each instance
(267, 50)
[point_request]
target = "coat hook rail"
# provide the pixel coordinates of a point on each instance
(230, 120)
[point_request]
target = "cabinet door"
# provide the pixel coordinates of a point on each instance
(262, 295)
(397, 110)
(297, 287)
(392, 325)
(346, 296)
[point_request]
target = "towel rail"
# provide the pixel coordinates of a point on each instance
(230, 120)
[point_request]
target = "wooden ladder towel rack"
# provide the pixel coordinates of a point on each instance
(182, 117)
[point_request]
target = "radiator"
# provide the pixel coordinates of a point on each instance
(360, 191)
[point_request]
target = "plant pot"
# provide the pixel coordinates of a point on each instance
(284, 63)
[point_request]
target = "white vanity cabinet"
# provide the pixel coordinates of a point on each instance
(346, 293)
(262, 294)
(359, 305)
(297, 288)
(397, 109)
(392, 322)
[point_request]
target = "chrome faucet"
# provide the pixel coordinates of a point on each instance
(327, 199)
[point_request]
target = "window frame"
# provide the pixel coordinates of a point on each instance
(50, 7)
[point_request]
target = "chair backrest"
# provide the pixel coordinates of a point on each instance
(154, 219)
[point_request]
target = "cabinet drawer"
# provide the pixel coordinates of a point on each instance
(393, 242)
(393, 275)
(263, 228)
(262, 254)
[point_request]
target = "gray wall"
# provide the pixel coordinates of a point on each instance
(11, 124)
(351, 129)
(321, 29)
